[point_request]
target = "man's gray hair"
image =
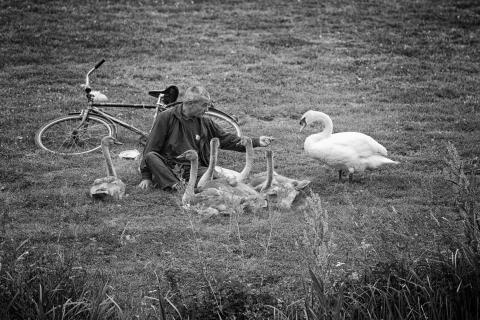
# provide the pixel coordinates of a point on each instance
(196, 93)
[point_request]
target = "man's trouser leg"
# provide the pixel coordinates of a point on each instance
(162, 174)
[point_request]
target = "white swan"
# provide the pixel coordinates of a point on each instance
(110, 186)
(344, 151)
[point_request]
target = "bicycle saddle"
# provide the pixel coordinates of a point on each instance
(170, 94)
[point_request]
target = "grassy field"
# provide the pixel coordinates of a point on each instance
(406, 72)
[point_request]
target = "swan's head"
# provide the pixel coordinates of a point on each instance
(189, 155)
(303, 123)
(214, 143)
(109, 141)
(310, 117)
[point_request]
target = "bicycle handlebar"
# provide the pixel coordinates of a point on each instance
(99, 64)
(87, 80)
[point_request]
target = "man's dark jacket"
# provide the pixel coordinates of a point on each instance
(173, 133)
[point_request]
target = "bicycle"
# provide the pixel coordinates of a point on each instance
(81, 132)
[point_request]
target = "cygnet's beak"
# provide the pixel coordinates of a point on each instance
(117, 142)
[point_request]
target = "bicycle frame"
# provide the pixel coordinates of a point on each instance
(67, 131)
(94, 107)
(96, 111)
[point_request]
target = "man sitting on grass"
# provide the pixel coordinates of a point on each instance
(179, 129)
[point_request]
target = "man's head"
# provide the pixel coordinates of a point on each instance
(196, 101)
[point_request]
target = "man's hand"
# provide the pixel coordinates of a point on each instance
(265, 141)
(145, 184)
(243, 141)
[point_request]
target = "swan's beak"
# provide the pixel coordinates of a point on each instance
(303, 124)
(117, 142)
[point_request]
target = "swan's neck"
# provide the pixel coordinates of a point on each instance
(248, 161)
(213, 161)
(190, 189)
(268, 182)
(108, 160)
(208, 175)
(327, 128)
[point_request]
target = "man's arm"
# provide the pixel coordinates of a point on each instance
(155, 141)
(228, 141)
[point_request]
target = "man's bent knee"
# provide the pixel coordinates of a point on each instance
(152, 157)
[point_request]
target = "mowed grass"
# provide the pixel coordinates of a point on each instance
(404, 72)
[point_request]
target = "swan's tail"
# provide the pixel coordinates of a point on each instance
(390, 161)
(378, 161)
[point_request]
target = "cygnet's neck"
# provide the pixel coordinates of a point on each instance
(208, 175)
(248, 161)
(190, 189)
(268, 181)
(108, 160)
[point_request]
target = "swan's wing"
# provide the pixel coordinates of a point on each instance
(238, 195)
(333, 154)
(227, 173)
(108, 179)
(362, 144)
(231, 187)
(221, 200)
(245, 190)
(108, 186)
(223, 184)
(259, 179)
(206, 196)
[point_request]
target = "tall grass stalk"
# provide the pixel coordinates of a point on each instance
(463, 175)
(317, 238)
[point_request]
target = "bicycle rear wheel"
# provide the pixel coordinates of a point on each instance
(69, 136)
(225, 122)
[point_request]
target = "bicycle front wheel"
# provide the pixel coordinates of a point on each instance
(225, 122)
(68, 135)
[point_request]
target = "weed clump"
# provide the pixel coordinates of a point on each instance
(444, 284)
(37, 284)
(433, 289)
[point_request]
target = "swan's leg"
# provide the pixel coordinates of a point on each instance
(340, 173)
(350, 174)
